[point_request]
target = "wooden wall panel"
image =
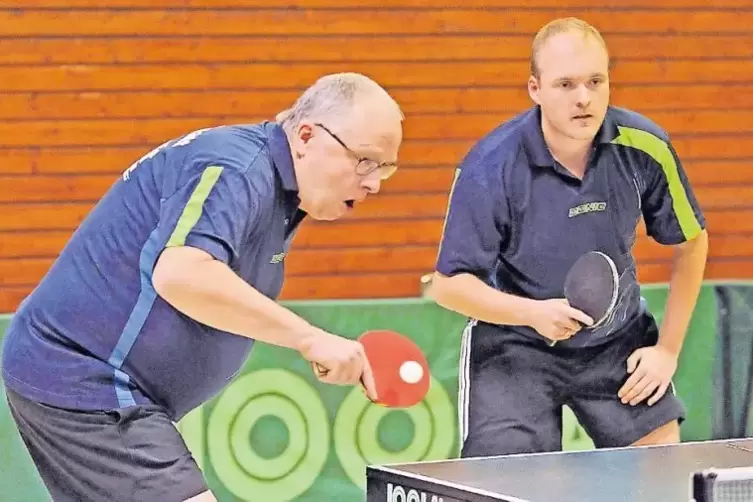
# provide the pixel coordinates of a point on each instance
(239, 104)
(400, 74)
(190, 49)
(89, 86)
(333, 21)
(431, 127)
(489, 5)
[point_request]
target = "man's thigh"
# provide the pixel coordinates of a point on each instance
(595, 402)
(668, 433)
(132, 454)
(508, 399)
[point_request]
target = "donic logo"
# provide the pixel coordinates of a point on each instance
(396, 493)
(589, 207)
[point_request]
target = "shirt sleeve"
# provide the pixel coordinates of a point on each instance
(475, 224)
(670, 209)
(215, 209)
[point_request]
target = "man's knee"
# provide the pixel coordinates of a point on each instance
(668, 433)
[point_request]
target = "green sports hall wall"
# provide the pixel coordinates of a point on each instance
(276, 434)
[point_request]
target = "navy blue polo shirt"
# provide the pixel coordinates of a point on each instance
(95, 335)
(518, 220)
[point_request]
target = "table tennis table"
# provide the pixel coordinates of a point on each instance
(646, 474)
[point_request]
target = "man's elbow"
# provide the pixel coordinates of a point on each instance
(440, 290)
(165, 276)
(173, 269)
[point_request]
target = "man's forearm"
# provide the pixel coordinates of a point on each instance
(470, 297)
(208, 291)
(685, 284)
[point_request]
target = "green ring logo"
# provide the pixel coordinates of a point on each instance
(292, 400)
(357, 443)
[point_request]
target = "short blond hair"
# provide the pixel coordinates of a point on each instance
(557, 26)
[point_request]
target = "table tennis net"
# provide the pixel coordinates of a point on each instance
(723, 485)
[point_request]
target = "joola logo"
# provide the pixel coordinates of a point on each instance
(277, 258)
(396, 493)
(589, 207)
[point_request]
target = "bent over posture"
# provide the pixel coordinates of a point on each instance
(156, 301)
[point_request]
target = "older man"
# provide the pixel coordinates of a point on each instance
(155, 302)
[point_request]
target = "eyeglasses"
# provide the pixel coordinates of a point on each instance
(365, 166)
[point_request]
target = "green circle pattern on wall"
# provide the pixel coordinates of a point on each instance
(357, 442)
(293, 401)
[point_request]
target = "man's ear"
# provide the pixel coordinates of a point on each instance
(304, 132)
(533, 89)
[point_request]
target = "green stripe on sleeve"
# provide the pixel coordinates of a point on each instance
(192, 212)
(660, 152)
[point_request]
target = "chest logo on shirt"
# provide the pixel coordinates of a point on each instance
(277, 258)
(588, 207)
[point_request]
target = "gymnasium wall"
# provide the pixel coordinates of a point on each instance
(88, 86)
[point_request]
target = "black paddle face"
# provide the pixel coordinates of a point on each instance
(591, 286)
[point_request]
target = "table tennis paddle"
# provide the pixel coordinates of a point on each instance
(400, 368)
(592, 286)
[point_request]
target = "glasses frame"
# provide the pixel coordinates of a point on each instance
(387, 168)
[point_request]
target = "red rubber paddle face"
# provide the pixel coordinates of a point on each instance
(401, 371)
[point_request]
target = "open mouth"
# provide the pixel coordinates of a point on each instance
(350, 203)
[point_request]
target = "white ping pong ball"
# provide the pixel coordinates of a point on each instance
(411, 372)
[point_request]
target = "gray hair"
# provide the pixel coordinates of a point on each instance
(333, 96)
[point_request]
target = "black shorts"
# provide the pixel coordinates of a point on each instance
(513, 387)
(129, 454)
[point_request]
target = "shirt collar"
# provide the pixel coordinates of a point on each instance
(282, 158)
(533, 138)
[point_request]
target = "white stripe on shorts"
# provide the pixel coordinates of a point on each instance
(464, 391)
